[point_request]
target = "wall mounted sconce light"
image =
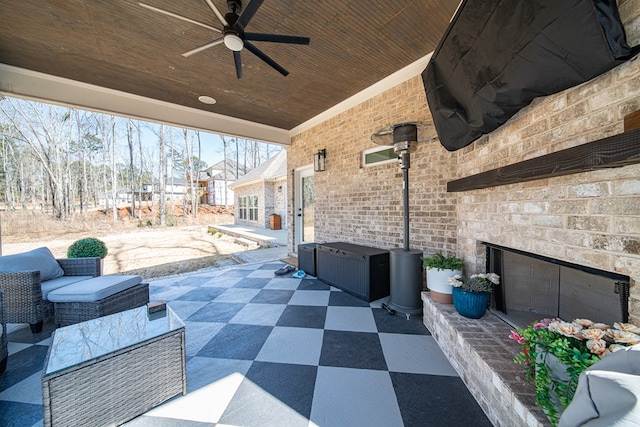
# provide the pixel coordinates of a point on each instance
(319, 160)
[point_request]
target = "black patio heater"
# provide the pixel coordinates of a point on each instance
(405, 264)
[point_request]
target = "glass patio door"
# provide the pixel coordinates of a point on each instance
(305, 207)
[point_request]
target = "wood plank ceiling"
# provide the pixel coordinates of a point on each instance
(120, 45)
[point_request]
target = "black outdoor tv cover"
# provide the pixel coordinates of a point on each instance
(498, 55)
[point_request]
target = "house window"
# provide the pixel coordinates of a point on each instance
(242, 208)
(253, 208)
(378, 156)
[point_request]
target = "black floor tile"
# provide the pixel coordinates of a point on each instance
(273, 394)
(352, 350)
(22, 365)
(430, 400)
(253, 283)
(346, 300)
(202, 294)
(398, 324)
(303, 316)
(14, 414)
(313, 285)
(272, 296)
(218, 312)
(236, 341)
(271, 266)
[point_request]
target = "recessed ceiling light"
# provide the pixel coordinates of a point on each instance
(206, 100)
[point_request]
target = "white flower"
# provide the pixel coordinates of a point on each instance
(567, 329)
(493, 278)
(585, 323)
(628, 327)
(593, 334)
(455, 280)
(625, 337)
(597, 346)
(602, 326)
(616, 347)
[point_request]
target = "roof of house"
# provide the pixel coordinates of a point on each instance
(273, 168)
(233, 170)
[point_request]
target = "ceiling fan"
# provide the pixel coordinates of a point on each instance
(233, 35)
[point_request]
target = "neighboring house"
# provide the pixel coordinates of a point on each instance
(261, 192)
(217, 179)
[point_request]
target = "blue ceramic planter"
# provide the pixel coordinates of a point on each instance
(470, 304)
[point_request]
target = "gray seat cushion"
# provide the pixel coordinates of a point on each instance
(93, 289)
(53, 284)
(608, 393)
(38, 259)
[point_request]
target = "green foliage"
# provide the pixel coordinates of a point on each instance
(440, 262)
(482, 282)
(536, 341)
(86, 248)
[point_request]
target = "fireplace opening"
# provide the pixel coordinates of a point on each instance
(534, 287)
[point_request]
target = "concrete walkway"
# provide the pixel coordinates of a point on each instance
(273, 243)
(263, 236)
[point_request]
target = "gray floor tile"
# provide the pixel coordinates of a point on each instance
(417, 354)
(354, 397)
(301, 346)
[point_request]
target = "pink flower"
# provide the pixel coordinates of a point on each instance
(516, 336)
(539, 325)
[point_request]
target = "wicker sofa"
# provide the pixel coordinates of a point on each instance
(28, 277)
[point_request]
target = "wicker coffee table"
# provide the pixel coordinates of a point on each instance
(109, 370)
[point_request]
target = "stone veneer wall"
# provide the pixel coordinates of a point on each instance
(590, 218)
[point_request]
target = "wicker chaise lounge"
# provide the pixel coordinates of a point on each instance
(24, 291)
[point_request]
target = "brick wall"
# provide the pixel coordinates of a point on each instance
(590, 218)
(364, 204)
(256, 189)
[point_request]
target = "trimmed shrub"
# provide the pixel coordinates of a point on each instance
(86, 248)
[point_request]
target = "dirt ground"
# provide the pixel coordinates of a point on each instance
(150, 251)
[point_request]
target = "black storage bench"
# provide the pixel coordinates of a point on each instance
(362, 271)
(307, 258)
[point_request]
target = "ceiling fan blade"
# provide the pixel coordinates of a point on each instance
(260, 54)
(276, 38)
(203, 47)
(217, 13)
(248, 13)
(173, 15)
(237, 59)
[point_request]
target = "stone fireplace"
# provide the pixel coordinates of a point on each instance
(534, 287)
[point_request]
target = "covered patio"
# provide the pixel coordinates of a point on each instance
(275, 350)
(340, 91)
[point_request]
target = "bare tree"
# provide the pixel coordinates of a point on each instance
(131, 169)
(163, 179)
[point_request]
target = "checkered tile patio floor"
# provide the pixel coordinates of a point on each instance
(266, 350)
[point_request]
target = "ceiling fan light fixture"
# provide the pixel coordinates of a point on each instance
(233, 42)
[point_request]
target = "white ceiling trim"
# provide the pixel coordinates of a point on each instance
(391, 81)
(22, 83)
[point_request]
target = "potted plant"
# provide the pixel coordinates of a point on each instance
(471, 295)
(438, 268)
(275, 221)
(555, 353)
(87, 248)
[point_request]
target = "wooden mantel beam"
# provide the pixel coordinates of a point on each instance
(611, 152)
